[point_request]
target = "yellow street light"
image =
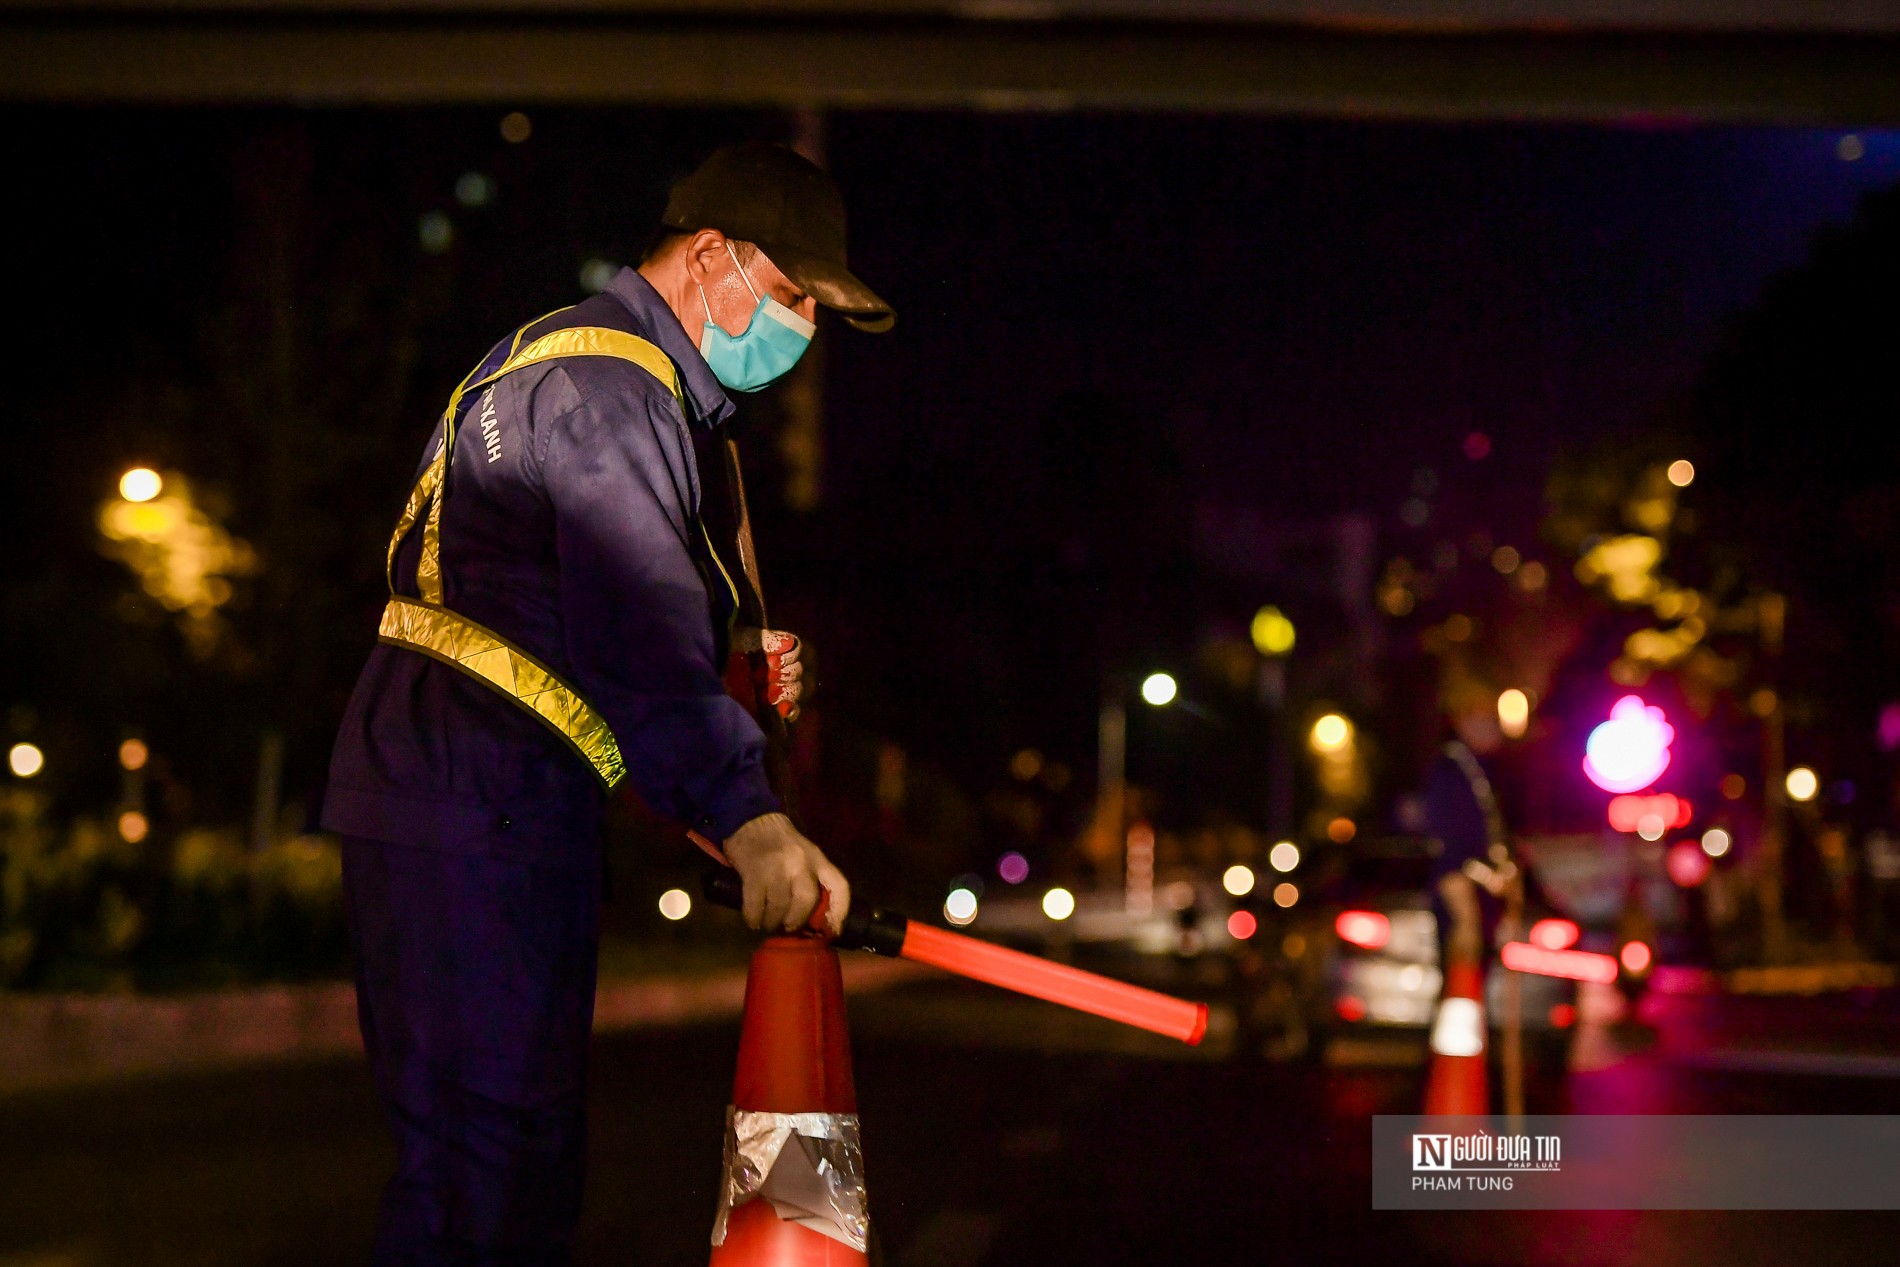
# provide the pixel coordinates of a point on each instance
(25, 760)
(1159, 689)
(1058, 904)
(140, 484)
(1272, 632)
(1514, 713)
(1331, 733)
(1238, 880)
(1803, 784)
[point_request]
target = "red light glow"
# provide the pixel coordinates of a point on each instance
(1350, 1008)
(1631, 750)
(1571, 965)
(1686, 864)
(1628, 812)
(1241, 925)
(1563, 1015)
(1554, 934)
(1367, 929)
(1636, 957)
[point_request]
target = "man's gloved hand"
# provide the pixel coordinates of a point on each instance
(783, 874)
(777, 673)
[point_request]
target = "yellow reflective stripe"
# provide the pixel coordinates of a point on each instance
(482, 653)
(727, 576)
(434, 630)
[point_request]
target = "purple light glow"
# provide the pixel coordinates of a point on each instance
(1631, 750)
(1013, 867)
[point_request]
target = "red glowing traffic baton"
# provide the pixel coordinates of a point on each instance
(1058, 983)
(887, 933)
(1572, 965)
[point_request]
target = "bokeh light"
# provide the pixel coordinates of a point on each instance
(1716, 842)
(1272, 632)
(676, 904)
(516, 127)
(1058, 904)
(1636, 957)
(1687, 863)
(140, 484)
(1331, 733)
(1013, 868)
(133, 754)
(1681, 473)
(1554, 934)
(1241, 925)
(1341, 830)
(1802, 784)
(1514, 713)
(1285, 894)
(960, 907)
(1159, 689)
(134, 827)
(1237, 880)
(1631, 750)
(1284, 856)
(25, 760)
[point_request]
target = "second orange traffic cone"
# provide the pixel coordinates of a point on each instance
(792, 1194)
(1457, 1082)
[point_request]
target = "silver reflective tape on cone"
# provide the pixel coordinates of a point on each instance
(810, 1166)
(1459, 1029)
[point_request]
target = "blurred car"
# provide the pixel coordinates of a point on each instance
(1380, 963)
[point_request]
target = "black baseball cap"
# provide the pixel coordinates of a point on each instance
(786, 206)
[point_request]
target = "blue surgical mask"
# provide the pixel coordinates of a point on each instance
(764, 351)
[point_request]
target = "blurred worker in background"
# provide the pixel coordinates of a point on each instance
(560, 618)
(1474, 868)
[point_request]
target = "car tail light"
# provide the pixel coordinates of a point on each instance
(1554, 934)
(1367, 929)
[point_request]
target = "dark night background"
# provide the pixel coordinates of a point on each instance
(1113, 331)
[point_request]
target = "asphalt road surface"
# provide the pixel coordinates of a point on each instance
(997, 1131)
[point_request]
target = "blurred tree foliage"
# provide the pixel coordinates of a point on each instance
(80, 908)
(1794, 431)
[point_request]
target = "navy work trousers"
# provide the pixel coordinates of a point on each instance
(475, 990)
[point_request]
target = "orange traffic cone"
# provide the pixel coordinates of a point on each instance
(793, 1190)
(1457, 1083)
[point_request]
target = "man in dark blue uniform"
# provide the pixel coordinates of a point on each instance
(559, 619)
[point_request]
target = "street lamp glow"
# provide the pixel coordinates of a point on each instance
(1159, 689)
(140, 484)
(675, 904)
(1272, 632)
(1514, 713)
(1682, 472)
(1284, 856)
(1238, 880)
(960, 907)
(1058, 904)
(25, 760)
(1331, 733)
(1803, 783)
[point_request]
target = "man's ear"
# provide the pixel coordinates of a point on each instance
(703, 253)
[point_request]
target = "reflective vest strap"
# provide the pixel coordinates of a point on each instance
(482, 653)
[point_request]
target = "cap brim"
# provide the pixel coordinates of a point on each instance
(833, 286)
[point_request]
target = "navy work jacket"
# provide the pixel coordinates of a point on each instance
(571, 527)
